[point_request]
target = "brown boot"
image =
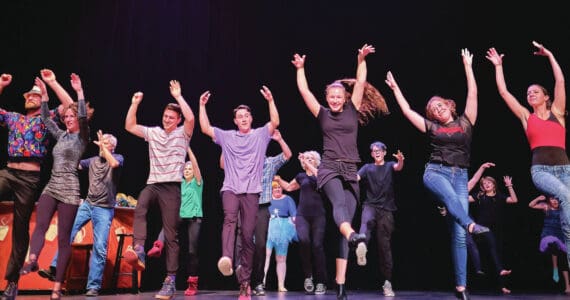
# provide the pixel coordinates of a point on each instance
(192, 286)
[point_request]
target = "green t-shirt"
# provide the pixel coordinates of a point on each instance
(191, 199)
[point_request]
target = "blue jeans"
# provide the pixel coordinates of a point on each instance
(449, 185)
(555, 181)
(101, 219)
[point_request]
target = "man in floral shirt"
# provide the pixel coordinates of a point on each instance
(20, 179)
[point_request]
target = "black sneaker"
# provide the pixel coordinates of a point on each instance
(355, 238)
(48, 274)
(259, 290)
(11, 291)
(478, 229)
(92, 293)
(29, 267)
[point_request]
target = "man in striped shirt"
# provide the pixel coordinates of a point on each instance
(167, 153)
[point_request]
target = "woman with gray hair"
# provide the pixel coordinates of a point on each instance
(310, 222)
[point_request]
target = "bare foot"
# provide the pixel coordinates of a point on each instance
(505, 272)
(505, 291)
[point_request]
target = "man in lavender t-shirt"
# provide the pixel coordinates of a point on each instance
(244, 152)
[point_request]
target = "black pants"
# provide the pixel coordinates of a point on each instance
(382, 222)
(311, 233)
(23, 187)
(260, 239)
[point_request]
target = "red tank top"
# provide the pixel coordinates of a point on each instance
(548, 132)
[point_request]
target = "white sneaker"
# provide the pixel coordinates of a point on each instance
(387, 287)
(225, 266)
(361, 254)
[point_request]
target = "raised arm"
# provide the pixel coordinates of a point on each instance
(197, 173)
(288, 186)
(416, 119)
(284, 147)
(49, 78)
(104, 152)
(176, 92)
(361, 71)
(509, 184)
(131, 124)
(475, 179)
(559, 102)
(44, 110)
(400, 158)
(520, 111)
(5, 80)
(205, 126)
(310, 100)
(273, 114)
(471, 102)
(539, 203)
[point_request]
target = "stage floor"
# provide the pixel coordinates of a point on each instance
(356, 295)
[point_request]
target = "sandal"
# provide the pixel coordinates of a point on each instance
(57, 295)
(29, 267)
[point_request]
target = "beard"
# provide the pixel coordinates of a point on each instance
(29, 105)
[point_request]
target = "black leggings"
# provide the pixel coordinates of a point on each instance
(47, 206)
(343, 203)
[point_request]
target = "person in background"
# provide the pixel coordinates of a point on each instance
(445, 174)
(98, 207)
(310, 222)
(27, 148)
(281, 232)
(62, 192)
(552, 238)
(488, 207)
(243, 153)
(339, 126)
(378, 207)
(191, 214)
(167, 155)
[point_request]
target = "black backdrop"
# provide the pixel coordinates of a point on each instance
(233, 47)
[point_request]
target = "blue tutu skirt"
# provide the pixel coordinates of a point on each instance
(281, 230)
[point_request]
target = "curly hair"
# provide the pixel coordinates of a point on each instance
(373, 103)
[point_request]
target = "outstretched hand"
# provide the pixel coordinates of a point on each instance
(266, 93)
(76, 82)
(276, 136)
(365, 50)
(541, 50)
(43, 89)
(467, 57)
(399, 155)
(204, 97)
(175, 89)
(494, 57)
(47, 75)
(298, 61)
(390, 81)
(99, 141)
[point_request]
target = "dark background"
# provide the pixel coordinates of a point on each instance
(232, 48)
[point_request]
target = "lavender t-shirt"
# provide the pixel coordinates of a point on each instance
(243, 158)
